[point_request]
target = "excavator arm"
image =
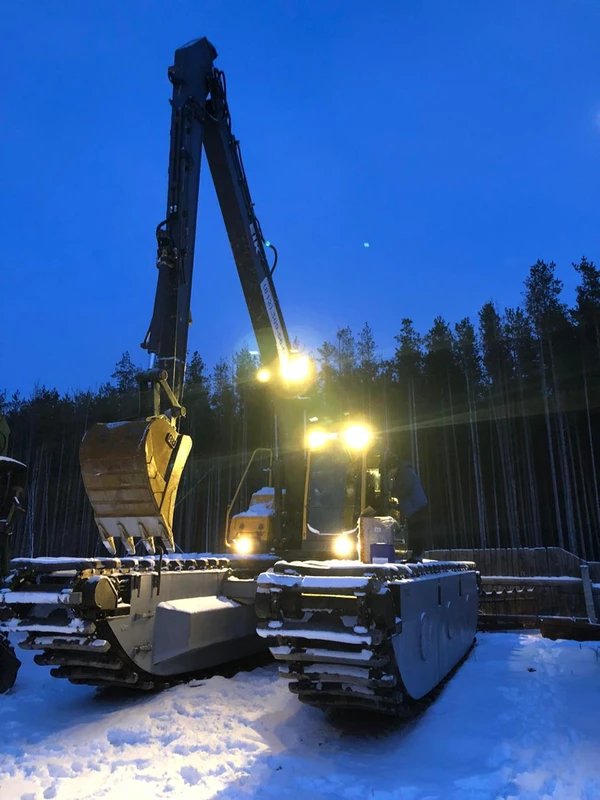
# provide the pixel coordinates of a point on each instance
(131, 470)
(243, 228)
(201, 121)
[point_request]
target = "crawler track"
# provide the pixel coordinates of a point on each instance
(377, 637)
(93, 620)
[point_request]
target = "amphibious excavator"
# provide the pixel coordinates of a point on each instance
(350, 631)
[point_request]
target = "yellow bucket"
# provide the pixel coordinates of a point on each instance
(131, 472)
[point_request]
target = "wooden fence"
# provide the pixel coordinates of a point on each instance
(533, 581)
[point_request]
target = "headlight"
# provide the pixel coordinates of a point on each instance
(344, 546)
(296, 369)
(263, 375)
(357, 437)
(316, 439)
(243, 545)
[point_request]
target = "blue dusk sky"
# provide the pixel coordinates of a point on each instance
(460, 140)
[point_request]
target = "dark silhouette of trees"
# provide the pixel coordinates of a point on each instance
(501, 418)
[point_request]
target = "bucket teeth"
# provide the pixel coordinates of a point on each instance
(167, 540)
(107, 540)
(149, 545)
(129, 544)
(128, 541)
(109, 543)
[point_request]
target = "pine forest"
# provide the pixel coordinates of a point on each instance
(500, 415)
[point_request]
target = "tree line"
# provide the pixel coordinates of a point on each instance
(499, 415)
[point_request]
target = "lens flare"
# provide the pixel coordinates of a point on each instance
(243, 545)
(296, 369)
(316, 440)
(344, 546)
(357, 437)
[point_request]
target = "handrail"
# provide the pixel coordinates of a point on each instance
(240, 484)
(305, 498)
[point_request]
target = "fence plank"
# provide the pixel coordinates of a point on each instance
(564, 562)
(503, 561)
(509, 565)
(530, 561)
(540, 561)
(540, 565)
(494, 562)
(554, 565)
(483, 561)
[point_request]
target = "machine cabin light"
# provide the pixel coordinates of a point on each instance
(296, 369)
(357, 437)
(344, 546)
(263, 375)
(243, 545)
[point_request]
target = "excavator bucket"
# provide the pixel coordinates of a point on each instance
(131, 472)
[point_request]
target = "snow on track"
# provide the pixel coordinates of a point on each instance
(518, 720)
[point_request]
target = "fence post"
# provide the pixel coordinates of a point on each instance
(588, 593)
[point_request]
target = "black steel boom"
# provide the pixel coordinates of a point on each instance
(200, 118)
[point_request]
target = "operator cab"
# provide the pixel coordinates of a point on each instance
(331, 487)
(343, 478)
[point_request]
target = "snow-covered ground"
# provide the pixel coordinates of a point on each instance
(520, 719)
